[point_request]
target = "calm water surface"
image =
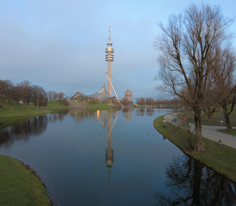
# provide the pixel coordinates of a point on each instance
(112, 158)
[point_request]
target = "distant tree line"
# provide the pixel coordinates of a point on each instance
(52, 95)
(173, 103)
(24, 92)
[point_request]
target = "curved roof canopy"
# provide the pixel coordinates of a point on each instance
(101, 95)
(77, 94)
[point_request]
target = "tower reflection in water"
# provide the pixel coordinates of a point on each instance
(103, 117)
(110, 151)
(106, 116)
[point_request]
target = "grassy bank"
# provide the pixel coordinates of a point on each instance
(15, 109)
(20, 186)
(219, 158)
(55, 103)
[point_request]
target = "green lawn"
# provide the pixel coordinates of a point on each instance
(15, 109)
(15, 112)
(218, 117)
(20, 186)
(55, 103)
(219, 158)
(228, 132)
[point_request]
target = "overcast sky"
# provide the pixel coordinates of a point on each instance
(60, 44)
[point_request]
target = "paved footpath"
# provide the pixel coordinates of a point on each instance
(209, 132)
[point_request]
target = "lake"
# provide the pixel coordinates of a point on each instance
(113, 157)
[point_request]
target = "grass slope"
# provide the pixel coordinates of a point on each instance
(219, 158)
(15, 109)
(233, 132)
(20, 186)
(55, 103)
(218, 117)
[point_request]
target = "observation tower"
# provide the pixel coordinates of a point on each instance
(109, 59)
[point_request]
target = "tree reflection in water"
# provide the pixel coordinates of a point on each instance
(58, 116)
(25, 130)
(128, 113)
(191, 183)
(150, 112)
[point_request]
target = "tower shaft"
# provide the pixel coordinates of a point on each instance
(109, 59)
(109, 75)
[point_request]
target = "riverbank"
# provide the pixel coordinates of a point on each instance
(218, 158)
(20, 185)
(14, 112)
(14, 109)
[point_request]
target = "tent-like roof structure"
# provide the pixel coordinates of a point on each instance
(77, 94)
(101, 95)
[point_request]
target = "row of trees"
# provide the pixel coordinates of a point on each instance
(52, 95)
(150, 101)
(140, 101)
(197, 62)
(24, 92)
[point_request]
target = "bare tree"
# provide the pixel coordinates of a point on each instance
(60, 97)
(35, 94)
(150, 101)
(42, 98)
(55, 95)
(15, 94)
(211, 103)
(225, 82)
(6, 88)
(187, 53)
(141, 101)
(52, 95)
(124, 101)
(25, 90)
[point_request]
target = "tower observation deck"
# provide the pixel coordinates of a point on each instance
(109, 59)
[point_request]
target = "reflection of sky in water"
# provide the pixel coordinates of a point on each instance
(69, 153)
